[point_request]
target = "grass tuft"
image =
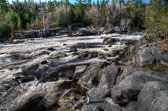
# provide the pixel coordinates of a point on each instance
(160, 67)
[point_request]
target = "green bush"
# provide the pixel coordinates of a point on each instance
(155, 68)
(5, 30)
(129, 27)
(60, 22)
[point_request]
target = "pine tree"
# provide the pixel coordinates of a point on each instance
(80, 9)
(19, 23)
(152, 18)
(164, 18)
(13, 20)
(103, 4)
(113, 5)
(98, 4)
(90, 3)
(3, 6)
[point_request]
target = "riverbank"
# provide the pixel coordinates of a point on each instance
(96, 72)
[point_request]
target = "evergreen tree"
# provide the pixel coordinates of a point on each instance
(98, 4)
(59, 20)
(152, 19)
(90, 3)
(80, 10)
(3, 7)
(13, 20)
(29, 14)
(113, 5)
(164, 18)
(5, 30)
(19, 23)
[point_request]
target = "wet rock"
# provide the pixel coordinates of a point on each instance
(30, 70)
(128, 89)
(84, 45)
(23, 79)
(7, 58)
(49, 72)
(73, 50)
(31, 97)
(101, 55)
(43, 53)
(59, 55)
(92, 55)
(85, 32)
(90, 77)
(153, 97)
(124, 29)
(112, 30)
(51, 49)
(83, 55)
(78, 71)
(64, 85)
(109, 77)
(88, 55)
(117, 29)
(49, 68)
(44, 62)
(41, 33)
(6, 89)
(109, 41)
(35, 104)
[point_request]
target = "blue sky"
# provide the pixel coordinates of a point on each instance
(72, 1)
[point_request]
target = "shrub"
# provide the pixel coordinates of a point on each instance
(155, 68)
(5, 30)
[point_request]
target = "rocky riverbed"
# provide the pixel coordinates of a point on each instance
(108, 72)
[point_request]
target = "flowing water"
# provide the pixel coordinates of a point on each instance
(14, 58)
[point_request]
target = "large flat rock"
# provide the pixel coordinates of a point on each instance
(151, 54)
(153, 97)
(128, 89)
(109, 77)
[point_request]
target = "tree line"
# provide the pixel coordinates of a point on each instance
(132, 14)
